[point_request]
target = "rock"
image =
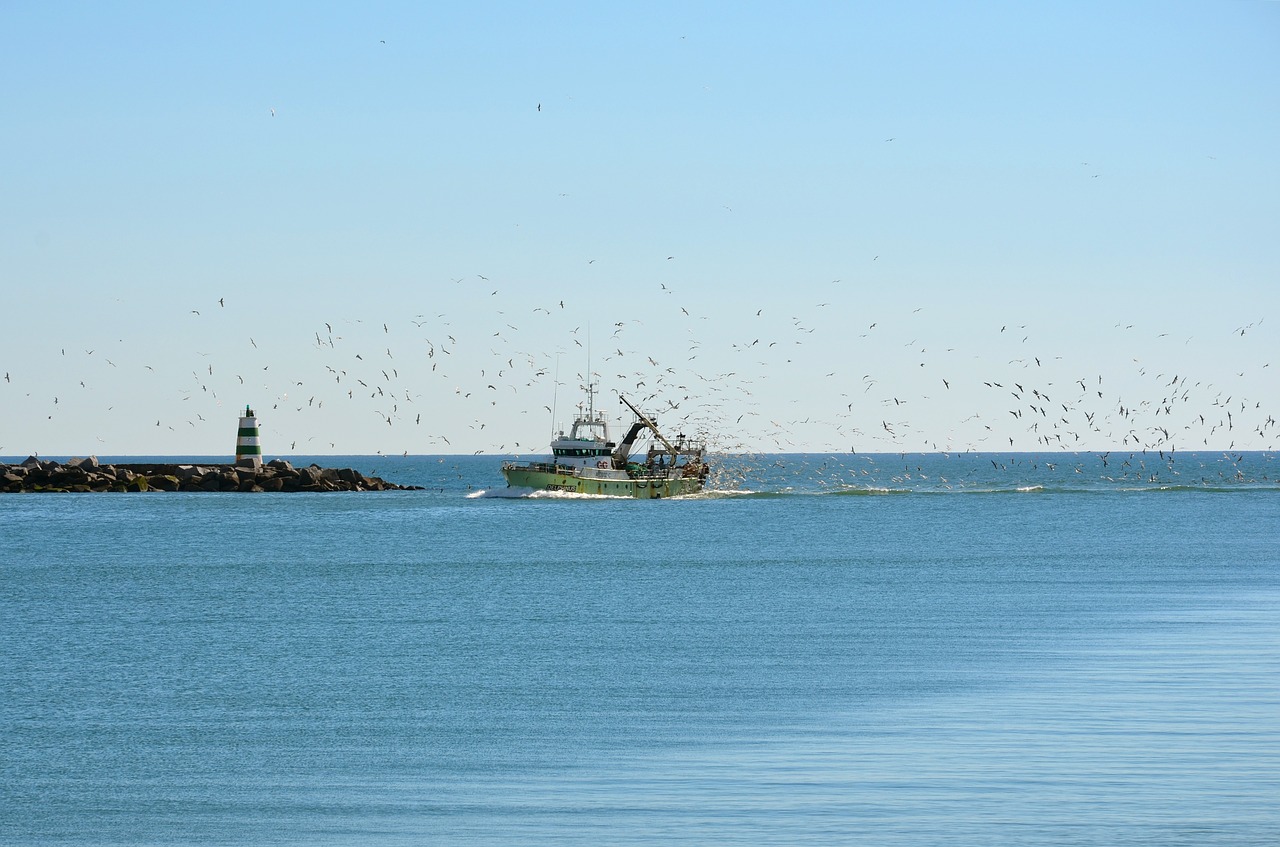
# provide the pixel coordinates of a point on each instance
(65, 476)
(163, 482)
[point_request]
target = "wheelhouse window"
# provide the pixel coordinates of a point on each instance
(579, 451)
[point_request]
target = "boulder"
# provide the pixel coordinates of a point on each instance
(163, 482)
(67, 476)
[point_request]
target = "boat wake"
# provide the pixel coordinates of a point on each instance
(877, 491)
(495, 494)
(538, 494)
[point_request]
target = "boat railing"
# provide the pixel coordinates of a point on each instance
(544, 467)
(646, 471)
(634, 470)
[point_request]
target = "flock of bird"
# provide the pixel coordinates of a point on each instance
(738, 377)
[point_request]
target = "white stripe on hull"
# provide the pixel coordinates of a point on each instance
(643, 488)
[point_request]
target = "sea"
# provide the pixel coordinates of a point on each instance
(894, 649)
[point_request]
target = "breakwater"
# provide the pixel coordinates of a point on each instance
(89, 475)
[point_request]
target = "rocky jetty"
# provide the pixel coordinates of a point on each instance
(84, 475)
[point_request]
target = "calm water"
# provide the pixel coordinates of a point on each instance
(898, 650)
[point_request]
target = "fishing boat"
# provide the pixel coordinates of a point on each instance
(587, 461)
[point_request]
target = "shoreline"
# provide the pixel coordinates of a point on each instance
(83, 476)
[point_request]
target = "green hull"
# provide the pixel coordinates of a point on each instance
(645, 488)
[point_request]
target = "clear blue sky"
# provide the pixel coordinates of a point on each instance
(811, 226)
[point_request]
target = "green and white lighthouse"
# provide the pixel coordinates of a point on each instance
(248, 447)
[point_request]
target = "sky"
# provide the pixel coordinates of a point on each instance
(803, 227)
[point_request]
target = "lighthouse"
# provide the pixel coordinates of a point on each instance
(248, 448)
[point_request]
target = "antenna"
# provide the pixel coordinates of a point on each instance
(555, 390)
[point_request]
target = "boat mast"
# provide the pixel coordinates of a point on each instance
(555, 390)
